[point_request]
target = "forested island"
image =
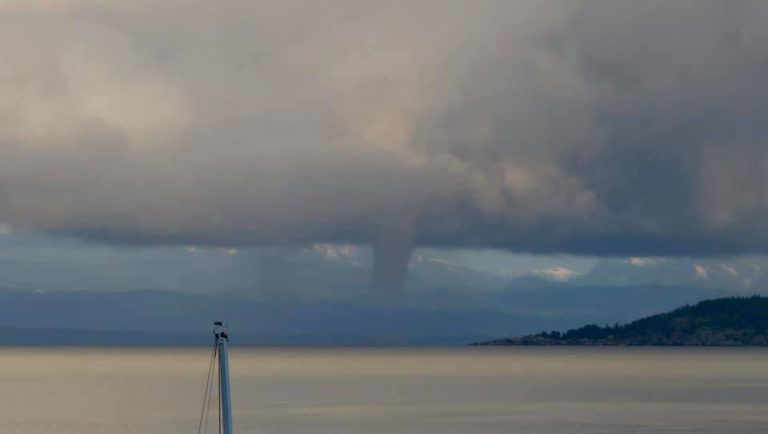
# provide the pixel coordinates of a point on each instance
(733, 321)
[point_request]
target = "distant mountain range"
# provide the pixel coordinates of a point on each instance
(733, 321)
(68, 293)
(426, 317)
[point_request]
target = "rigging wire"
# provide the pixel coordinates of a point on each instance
(226, 284)
(205, 394)
(206, 408)
(221, 426)
(214, 377)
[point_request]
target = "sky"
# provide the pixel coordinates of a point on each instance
(519, 135)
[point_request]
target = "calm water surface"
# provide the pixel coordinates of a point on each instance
(517, 390)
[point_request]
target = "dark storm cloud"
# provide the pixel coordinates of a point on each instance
(600, 127)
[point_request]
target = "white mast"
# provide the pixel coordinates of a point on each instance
(222, 340)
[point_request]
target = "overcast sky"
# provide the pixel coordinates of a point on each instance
(593, 128)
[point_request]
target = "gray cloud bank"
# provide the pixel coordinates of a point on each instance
(587, 127)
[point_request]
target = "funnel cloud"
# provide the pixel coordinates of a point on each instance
(566, 126)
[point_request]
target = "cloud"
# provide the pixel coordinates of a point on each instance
(701, 272)
(643, 262)
(559, 274)
(585, 127)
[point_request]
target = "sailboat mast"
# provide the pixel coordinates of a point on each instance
(222, 339)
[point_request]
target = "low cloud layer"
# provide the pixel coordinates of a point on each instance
(585, 127)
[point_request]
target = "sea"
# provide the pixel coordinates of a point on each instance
(520, 390)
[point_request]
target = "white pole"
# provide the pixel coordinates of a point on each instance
(226, 403)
